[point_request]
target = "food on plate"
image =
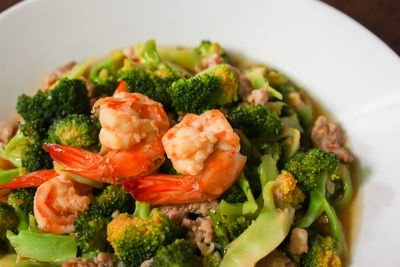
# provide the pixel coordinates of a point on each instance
(155, 156)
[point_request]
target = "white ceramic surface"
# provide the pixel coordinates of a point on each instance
(350, 71)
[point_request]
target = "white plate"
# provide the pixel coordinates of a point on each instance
(351, 72)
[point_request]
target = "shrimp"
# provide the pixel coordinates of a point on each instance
(132, 128)
(205, 149)
(57, 203)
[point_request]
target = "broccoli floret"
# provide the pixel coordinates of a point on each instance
(104, 76)
(26, 152)
(137, 239)
(76, 130)
(22, 202)
(91, 233)
(168, 168)
(113, 197)
(177, 254)
(321, 252)
(152, 84)
(35, 158)
(234, 194)
(312, 169)
(257, 121)
(192, 58)
(9, 221)
(236, 227)
(70, 96)
(210, 89)
(212, 260)
(90, 228)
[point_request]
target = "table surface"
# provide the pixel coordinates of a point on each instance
(382, 17)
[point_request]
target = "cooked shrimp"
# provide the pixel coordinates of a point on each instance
(57, 204)
(206, 150)
(132, 128)
(33, 179)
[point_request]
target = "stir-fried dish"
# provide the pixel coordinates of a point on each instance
(157, 156)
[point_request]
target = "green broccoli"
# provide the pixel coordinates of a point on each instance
(212, 260)
(236, 209)
(70, 96)
(113, 197)
(304, 108)
(104, 75)
(321, 252)
(168, 168)
(6, 176)
(152, 84)
(91, 233)
(192, 58)
(236, 227)
(76, 130)
(210, 89)
(22, 202)
(26, 152)
(37, 245)
(257, 121)
(9, 221)
(136, 239)
(177, 254)
(257, 74)
(90, 228)
(312, 169)
(257, 240)
(346, 186)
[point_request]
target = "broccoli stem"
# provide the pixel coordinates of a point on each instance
(336, 226)
(267, 169)
(142, 210)
(314, 211)
(219, 229)
(315, 208)
(274, 93)
(77, 71)
(347, 195)
(239, 209)
(7, 175)
(257, 240)
(36, 245)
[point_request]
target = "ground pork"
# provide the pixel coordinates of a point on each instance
(258, 96)
(53, 76)
(329, 137)
(244, 84)
(7, 131)
(212, 61)
(129, 52)
(101, 260)
(147, 263)
(177, 213)
(277, 258)
(200, 233)
(298, 242)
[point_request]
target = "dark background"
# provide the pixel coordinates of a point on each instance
(382, 17)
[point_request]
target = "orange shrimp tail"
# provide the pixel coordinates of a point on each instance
(121, 87)
(78, 161)
(164, 189)
(72, 157)
(33, 179)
